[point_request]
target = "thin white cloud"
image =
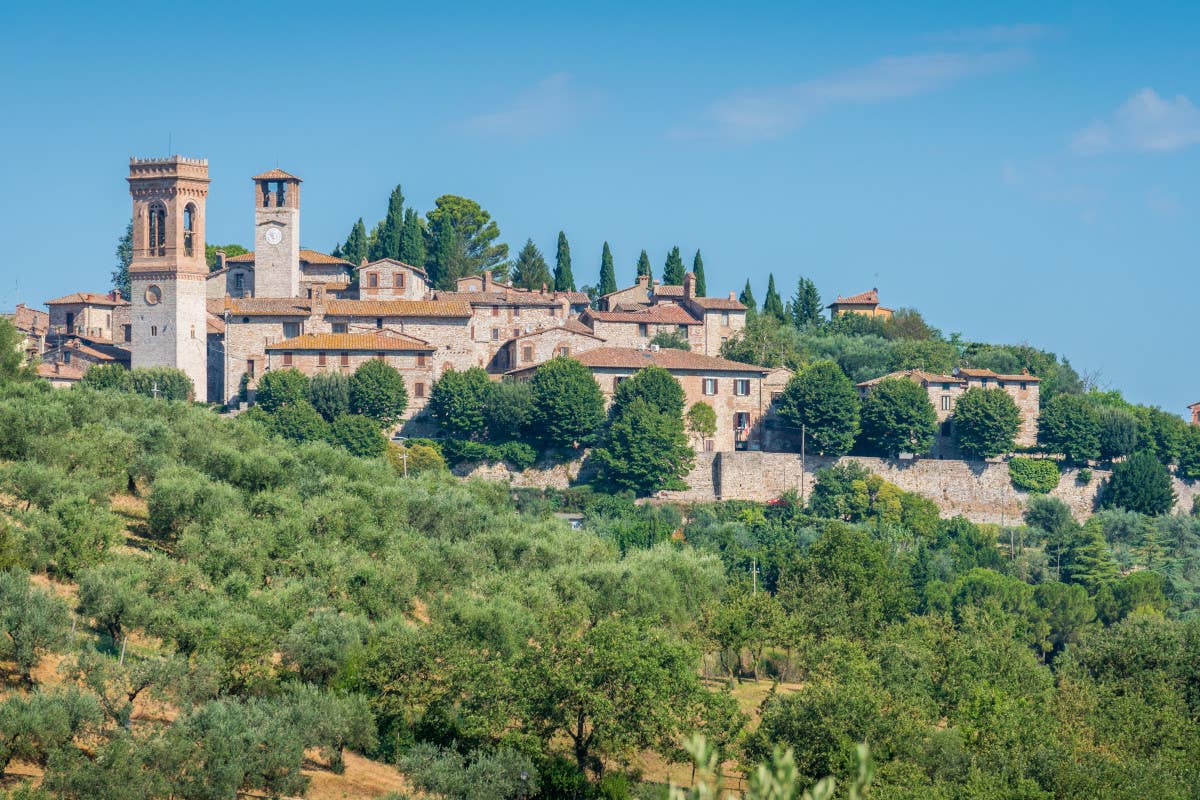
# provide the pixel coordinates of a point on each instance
(551, 105)
(1145, 123)
(1019, 33)
(773, 113)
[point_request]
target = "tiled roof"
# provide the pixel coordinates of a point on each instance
(59, 371)
(510, 297)
(271, 306)
(306, 256)
(214, 323)
(916, 375)
(668, 290)
(352, 341)
(664, 314)
(397, 308)
(575, 298)
(29, 320)
(570, 326)
(667, 358)
(91, 298)
(83, 349)
(400, 263)
(275, 175)
(863, 298)
(717, 303)
(968, 372)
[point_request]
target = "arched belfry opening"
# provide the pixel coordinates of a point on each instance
(156, 230)
(189, 229)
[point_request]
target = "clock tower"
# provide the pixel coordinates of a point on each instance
(169, 322)
(276, 234)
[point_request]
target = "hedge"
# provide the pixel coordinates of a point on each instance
(1037, 475)
(517, 454)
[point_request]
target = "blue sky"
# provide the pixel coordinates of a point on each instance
(1026, 173)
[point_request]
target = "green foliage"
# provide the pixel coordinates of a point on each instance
(1140, 483)
(698, 272)
(1189, 454)
(643, 266)
(1036, 475)
(358, 434)
(329, 393)
(230, 251)
(377, 391)
(765, 342)
(772, 303)
(643, 449)
(124, 255)
(102, 376)
(806, 305)
(356, 246)
(298, 422)
(1070, 425)
(12, 354)
(672, 340)
(507, 409)
(673, 269)
(608, 277)
(568, 408)
(281, 387)
(166, 383)
(502, 774)
(464, 241)
(413, 458)
(907, 323)
(986, 422)
(564, 279)
(1057, 377)
(458, 401)
(530, 270)
(701, 420)
(33, 622)
(897, 417)
(390, 232)
(746, 298)
(1118, 432)
(518, 454)
(656, 386)
(822, 400)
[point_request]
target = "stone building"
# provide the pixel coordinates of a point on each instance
(168, 270)
(33, 324)
(944, 391)
(1195, 409)
(735, 391)
(625, 299)
(239, 276)
(571, 337)
(865, 303)
(86, 314)
(389, 279)
(313, 353)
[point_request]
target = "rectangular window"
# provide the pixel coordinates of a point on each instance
(339, 327)
(516, 332)
(495, 334)
(710, 386)
(725, 319)
(564, 351)
(741, 421)
(554, 311)
(683, 331)
(379, 322)
(946, 387)
(421, 360)
(127, 334)
(399, 280)
(741, 387)
(345, 359)
(239, 282)
(517, 311)
(945, 402)
(1023, 386)
(250, 367)
(291, 330)
(321, 359)
(418, 389)
(287, 359)
(709, 445)
(495, 311)
(373, 280)
(527, 353)
(66, 356)
(643, 329)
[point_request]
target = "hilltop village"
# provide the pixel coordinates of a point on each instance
(282, 306)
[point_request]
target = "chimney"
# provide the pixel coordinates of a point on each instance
(220, 259)
(689, 286)
(317, 307)
(644, 281)
(732, 296)
(487, 281)
(543, 288)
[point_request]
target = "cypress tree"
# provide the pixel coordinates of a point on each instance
(564, 280)
(673, 269)
(390, 231)
(530, 270)
(354, 249)
(746, 298)
(806, 304)
(445, 268)
(608, 277)
(643, 266)
(772, 304)
(412, 240)
(698, 271)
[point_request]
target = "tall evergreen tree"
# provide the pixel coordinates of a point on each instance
(412, 239)
(806, 304)
(474, 234)
(120, 273)
(390, 231)
(673, 269)
(772, 303)
(446, 262)
(698, 271)
(608, 278)
(643, 266)
(564, 280)
(530, 270)
(746, 298)
(354, 249)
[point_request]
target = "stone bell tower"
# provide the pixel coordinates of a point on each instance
(167, 273)
(276, 234)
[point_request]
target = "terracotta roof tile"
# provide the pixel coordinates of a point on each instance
(397, 308)
(968, 372)
(570, 326)
(269, 306)
(29, 320)
(662, 314)
(667, 358)
(275, 175)
(509, 297)
(862, 298)
(306, 256)
(59, 371)
(915, 375)
(716, 303)
(91, 298)
(398, 262)
(668, 290)
(352, 341)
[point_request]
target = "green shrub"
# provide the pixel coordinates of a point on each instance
(1083, 477)
(1036, 475)
(358, 434)
(518, 454)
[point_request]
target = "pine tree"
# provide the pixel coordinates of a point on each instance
(530, 270)
(643, 266)
(746, 298)
(698, 271)
(673, 269)
(772, 304)
(806, 305)
(354, 249)
(412, 239)
(608, 278)
(446, 267)
(564, 280)
(390, 231)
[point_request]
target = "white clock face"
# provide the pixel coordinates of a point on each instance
(273, 236)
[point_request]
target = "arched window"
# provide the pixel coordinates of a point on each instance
(154, 330)
(189, 228)
(156, 231)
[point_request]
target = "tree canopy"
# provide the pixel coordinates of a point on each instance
(897, 417)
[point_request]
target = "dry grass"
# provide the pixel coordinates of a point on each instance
(363, 780)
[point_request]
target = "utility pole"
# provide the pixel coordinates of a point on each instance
(754, 575)
(803, 436)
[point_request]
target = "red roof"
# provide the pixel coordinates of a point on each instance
(352, 341)
(29, 320)
(306, 256)
(398, 263)
(916, 375)
(276, 175)
(63, 372)
(967, 372)
(88, 298)
(717, 303)
(570, 326)
(397, 308)
(667, 358)
(870, 298)
(661, 314)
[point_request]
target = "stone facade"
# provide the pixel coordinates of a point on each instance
(570, 338)
(635, 329)
(86, 314)
(865, 303)
(638, 294)
(168, 270)
(389, 279)
(276, 234)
